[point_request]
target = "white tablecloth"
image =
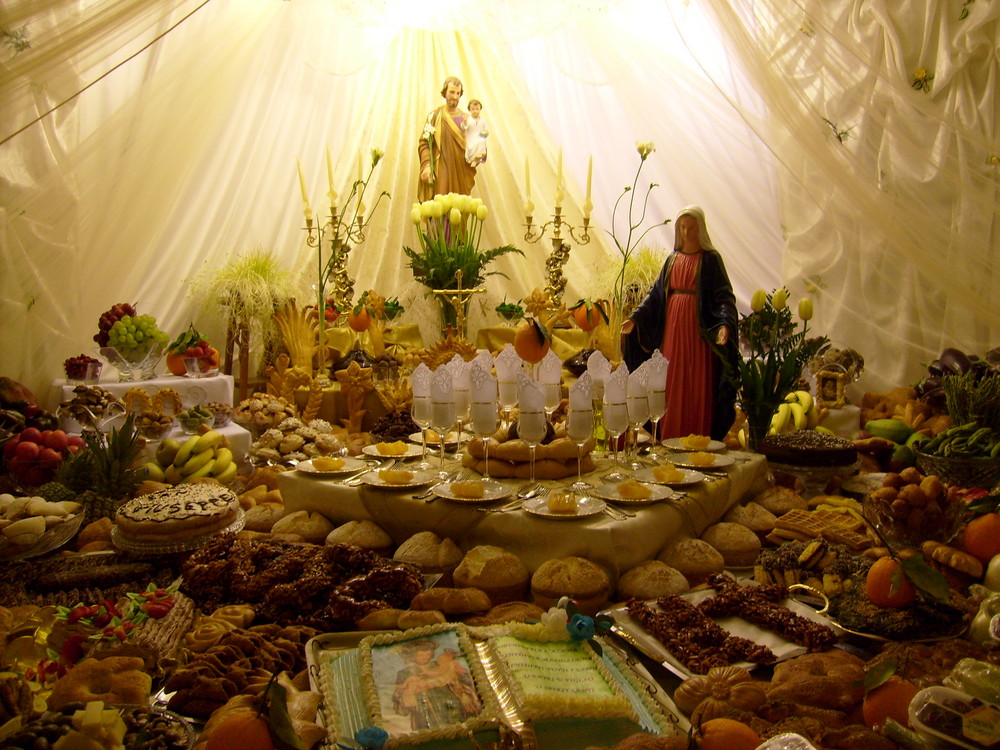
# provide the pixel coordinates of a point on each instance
(193, 391)
(616, 545)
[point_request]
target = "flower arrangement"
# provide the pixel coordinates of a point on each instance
(450, 228)
(777, 350)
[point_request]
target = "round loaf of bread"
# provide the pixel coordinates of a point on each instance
(651, 580)
(780, 500)
(263, 517)
(312, 527)
(496, 571)
(578, 578)
(181, 512)
(737, 544)
(364, 534)
(754, 516)
(431, 554)
(694, 558)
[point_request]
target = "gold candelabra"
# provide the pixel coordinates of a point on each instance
(556, 281)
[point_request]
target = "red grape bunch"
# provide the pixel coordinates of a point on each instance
(108, 319)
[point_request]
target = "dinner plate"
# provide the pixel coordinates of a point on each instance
(684, 460)
(633, 633)
(690, 477)
(412, 451)
(419, 479)
(610, 492)
(450, 440)
(491, 491)
(350, 466)
(677, 444)
(587, 506)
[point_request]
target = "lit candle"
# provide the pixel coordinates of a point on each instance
(559, 178)
(305, 194)
(329, 177)
(527, 179)
(361, 168)
(590, 175)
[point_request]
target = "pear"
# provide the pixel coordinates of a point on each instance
(167, 451)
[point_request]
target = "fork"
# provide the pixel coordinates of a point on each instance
(529, 491)
(356, 479)
(428, 495)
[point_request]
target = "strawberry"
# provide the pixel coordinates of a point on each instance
(158, 609)
(102, 618)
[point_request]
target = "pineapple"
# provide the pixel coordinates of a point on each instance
(106, 473)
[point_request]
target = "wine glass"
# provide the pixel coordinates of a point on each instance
(422, 418)
(442, 421)
(638, 412)
(657, 401)
(579, 429)
(615, 422)
(508, 398)
(483, 420)
(461, 410)
(531, 427)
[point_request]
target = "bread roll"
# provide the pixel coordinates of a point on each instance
(506, 612)
(263, 517)
(755, 517)
(451, 601)
(651, 580)
(737, 544)
(780, 500)
(694, 558)
(578, 578)
(313, 527)
(364, 534)
(430, 553)
(494, 570)
(115, 680)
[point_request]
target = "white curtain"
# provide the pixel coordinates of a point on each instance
(180, 151)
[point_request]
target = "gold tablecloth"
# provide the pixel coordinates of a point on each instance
(615, 545)
(343, 338)
(566, 342)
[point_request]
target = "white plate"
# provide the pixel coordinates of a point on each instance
(610, 492)
(587, 506)
(412, 451)
(640, 638)
(684, 460)
(420, 478)
(491, 491)
(350, 466)
(714, 446)
(690, 477)
(450, 440)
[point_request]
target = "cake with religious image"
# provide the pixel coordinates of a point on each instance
(438, 686)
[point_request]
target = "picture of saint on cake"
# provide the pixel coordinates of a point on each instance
(424, 683)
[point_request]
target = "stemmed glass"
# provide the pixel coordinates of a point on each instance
(553, 397)
(461, 411)
(508, 398)
(638, 412)
(615, 422)
(656, 399)
(483, 420)
(579, 429)
(443, 421)
(421, 416)
(531, 428)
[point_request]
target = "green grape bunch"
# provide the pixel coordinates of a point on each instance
(134, 335)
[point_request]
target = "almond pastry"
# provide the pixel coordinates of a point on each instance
(165, 396)
(134, 397)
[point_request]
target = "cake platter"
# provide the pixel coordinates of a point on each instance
(677, 444)
(585, 507)
(690, 477)
(349, 466)
(630, 631)
(685, 461)
(611, 493)
(179, 545)
(491, 491)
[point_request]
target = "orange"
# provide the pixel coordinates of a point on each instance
(587, 317)
(982, 537)
(890, 700)
(726, 734)
(244, 730)
(359, 321)
(532, 341)
(887, 584)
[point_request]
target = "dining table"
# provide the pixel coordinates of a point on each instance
(619, 537)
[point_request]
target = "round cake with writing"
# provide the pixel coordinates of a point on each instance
(181, 512)
(808, 448)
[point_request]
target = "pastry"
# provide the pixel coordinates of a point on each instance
(737, 544)
(495, 571)
(694, 558)
(576, 577)
(181, 512)
(651, 580)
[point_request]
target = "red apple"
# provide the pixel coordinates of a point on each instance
(32, 434)
(27, 450)
(57, 440)
(9, 446)
(49, 459)
(75, 441)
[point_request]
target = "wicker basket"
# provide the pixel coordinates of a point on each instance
(965, 472)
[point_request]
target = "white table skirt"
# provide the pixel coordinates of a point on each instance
(615, 545)
(192, 391)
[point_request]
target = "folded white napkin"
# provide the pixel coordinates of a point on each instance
(530, 396)
(615, 386)
(508, 364)
(549, 370)
(581, 393)
(420, 381)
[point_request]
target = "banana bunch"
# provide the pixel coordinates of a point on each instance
(205, 455)
(798, 412)
(964, 441)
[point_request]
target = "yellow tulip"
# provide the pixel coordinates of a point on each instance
(645, 148)
(805, 308)
(481, 212)
(758, 300)
(779, 300)
(415, 216)
(436, 210)
(455, 217)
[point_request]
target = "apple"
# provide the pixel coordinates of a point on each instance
(75, 441)
(57, 440)
(49, 459)
(31, 434)
(27, 450)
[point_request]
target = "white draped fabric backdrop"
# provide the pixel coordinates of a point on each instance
(141, 143)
